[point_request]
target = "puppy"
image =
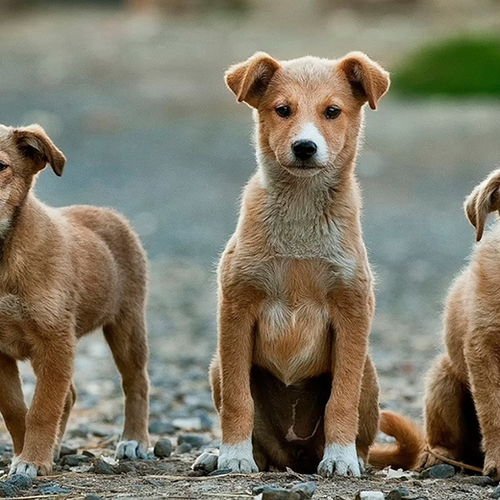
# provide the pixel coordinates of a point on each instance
(292, 379)
(462, 405)
(64, 272)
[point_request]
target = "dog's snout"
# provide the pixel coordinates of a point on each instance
(304, 150)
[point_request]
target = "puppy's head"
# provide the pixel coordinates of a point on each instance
(24, 152)
(308, 109)
(484, 199)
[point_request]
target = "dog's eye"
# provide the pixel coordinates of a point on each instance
(3, 166)
(332, 112)
(283, 111)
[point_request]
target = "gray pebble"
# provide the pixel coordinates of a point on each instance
(7, 490)
(183, 448)
(125, 468)
(305, 490)
(20, 481)
(220, 472)
(479, 480)
(93, 497)
(441, 471)
(276, 493)
(496, 492)
(195, 440)
(102, 467)
(370, 495)
(67, 450)
(163, 448)
(159, 427)
(53, 489)
(397, 494)
(74, 460)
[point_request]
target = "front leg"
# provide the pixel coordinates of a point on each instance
(236, 324)
(52, 360)
(351, 316)
(481, 355)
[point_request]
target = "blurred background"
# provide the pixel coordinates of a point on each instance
(132, 92)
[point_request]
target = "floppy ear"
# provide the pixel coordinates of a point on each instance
(249, 80)
(36, 145)
(484, 199)
(368, 80)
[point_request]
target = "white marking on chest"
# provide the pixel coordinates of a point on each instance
(291, 436)
(310, 132)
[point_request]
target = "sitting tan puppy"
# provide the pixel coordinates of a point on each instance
(462, 406)
(292, 379)
(64, 272)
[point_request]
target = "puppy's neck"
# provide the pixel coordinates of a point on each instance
(306, 217)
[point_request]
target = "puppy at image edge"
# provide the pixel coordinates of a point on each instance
(292, 379)
(64, 273)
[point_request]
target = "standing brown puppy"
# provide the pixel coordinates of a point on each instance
(462, 406)
(63, 273)
(292, 379)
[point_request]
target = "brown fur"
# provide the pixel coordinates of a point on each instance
(295, 288)
(463, 400)
(63, 273)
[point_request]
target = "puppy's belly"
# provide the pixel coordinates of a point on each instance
(293, 342)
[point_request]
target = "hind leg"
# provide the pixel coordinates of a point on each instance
(68, 406)
(127, 339)
(368, 412)
(445, 422)
(12, 405)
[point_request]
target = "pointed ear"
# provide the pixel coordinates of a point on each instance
(36, 145)
(249, 80)
(484, 199)
(368, 80)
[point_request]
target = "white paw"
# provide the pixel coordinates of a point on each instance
(21, 467)
(131, 450)
(340, 460)
(237, 458)
(206, 462)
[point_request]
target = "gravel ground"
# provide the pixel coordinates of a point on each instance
(140, 110)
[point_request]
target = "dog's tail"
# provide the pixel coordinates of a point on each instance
(407, 449)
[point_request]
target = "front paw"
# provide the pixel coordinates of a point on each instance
(340, 460)
(29, 468)
(237, 458)
(131, 450)
(492, 465)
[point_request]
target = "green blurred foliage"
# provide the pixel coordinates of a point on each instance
(462, 66)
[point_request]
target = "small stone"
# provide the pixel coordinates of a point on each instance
(74, 460)
(163, 448)
(397, 494)
(195, 440)
(275, 493)
(88, 453)
(370, 495)
(440, 471)
(159, 427)
(20, 481)
(67, 450)
(125, 468)
(102, 467)
(53, 489)
(479, 480)
(183, 448)
(93, 497)
(220, 472)
(7, 490)
(305, 490)
(206, 463)
(496, 492)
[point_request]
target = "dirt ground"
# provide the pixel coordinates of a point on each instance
(138, 106)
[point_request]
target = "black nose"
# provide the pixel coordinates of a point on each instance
(303, 150)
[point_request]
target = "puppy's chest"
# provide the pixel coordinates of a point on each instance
(293, 335)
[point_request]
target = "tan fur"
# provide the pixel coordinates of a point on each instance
(295, 288)
(463, 398)
(63, 273)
